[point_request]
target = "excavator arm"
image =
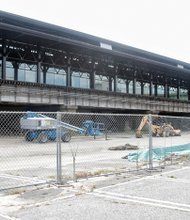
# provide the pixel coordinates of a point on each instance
(144, 121)
(157, 130)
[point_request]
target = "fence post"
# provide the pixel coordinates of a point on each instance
(58, 142)
(106, 133)
(150, 142)
(94, 133)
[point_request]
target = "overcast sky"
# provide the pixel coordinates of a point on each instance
(159, 26)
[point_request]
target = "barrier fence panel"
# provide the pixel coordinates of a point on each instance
(100, 144)
(57, 147)
(25, 159)
(171, 144)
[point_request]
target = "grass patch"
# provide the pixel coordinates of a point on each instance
(16, 192)
(86, 174)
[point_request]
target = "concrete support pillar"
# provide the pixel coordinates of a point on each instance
(68, 75)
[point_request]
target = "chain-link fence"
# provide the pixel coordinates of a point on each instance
(58, 147)
(172, 145)
(24, 161)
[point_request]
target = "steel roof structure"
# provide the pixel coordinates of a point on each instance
(30, 30)
(25, 40)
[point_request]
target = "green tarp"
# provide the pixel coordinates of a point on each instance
(160, 153)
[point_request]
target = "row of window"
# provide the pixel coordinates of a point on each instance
(57, 76)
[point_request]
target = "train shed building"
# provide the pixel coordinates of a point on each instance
(45, 67)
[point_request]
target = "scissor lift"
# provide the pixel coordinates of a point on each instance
(42, 128)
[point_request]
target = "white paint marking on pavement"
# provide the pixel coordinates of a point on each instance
(141, 202)
(143, 178)
(143, 198)
(8, 217)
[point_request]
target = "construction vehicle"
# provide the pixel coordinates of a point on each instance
(163, 130)
(42, 128)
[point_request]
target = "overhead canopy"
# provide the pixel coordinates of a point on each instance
(36, 32)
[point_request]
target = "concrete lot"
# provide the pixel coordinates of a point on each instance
(140, 195)
(25, 163)
(108, 186)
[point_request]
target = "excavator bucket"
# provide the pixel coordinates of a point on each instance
(138, 134)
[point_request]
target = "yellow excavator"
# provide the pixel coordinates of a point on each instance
(164, 130)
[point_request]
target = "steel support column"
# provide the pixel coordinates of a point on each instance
(68, 75)
(110, 83)
(4, 59)
(127, 86)
(151, 85)
(156, 90)
(115, 79)
(142, 88)
(16, 67)
(178, 89)
(44, 70)
(134, 82)
(92, 78)
(189, 94)
(115, 83)
(39, 65)
(166, 89)
(44, 77)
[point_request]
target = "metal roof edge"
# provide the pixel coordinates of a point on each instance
(118, 47)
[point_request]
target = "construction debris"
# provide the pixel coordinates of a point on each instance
(124, 147)
(161, 153)
(131, 147)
